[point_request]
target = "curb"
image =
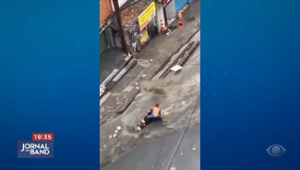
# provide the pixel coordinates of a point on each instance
(122, 72)
(181, 55)
(128, 103)
(118, 69)
(170, 57)
(191, 51)
(126, 62)
(161, 67)
(157, 71)
(188, 54)
(113, 74)
(109, 85)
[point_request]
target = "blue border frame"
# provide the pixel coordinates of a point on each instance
(250, 64)
(49, 69)
(250, 77)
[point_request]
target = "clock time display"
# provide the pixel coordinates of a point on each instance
(42, 136)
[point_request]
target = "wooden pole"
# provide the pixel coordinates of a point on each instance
(119, 20)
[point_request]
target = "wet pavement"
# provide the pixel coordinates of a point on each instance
(110, 59)
(123, 148)
(164, 153)
(149, 61)
(181, 93)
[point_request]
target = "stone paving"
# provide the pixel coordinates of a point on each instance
(150, 60)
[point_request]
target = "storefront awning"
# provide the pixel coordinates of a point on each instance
(104, 26)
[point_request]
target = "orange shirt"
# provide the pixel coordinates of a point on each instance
(156, 111)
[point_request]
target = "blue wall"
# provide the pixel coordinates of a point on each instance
(179, 4)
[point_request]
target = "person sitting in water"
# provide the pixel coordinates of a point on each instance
(154, 115)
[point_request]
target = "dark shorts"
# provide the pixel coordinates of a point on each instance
(153, 119)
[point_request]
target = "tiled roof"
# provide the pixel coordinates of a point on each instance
(105, 10)
(130, 14)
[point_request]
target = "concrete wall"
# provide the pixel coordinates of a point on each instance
(171, 11)
(159, 16)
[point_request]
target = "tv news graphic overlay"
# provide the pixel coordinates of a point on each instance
(42, 136)
(35, 149)
(275, 150)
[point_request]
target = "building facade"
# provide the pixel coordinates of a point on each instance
(141, 21)
(106, 12)
(169, 8)
(180, 3)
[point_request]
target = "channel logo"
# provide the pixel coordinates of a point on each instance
(39, 147)
(276, 150)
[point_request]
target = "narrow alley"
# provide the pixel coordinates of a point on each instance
(180, 96)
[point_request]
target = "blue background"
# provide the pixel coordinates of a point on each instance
(250, 88)
(49, 81)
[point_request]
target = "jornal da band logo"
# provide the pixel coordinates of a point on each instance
(35, 149)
